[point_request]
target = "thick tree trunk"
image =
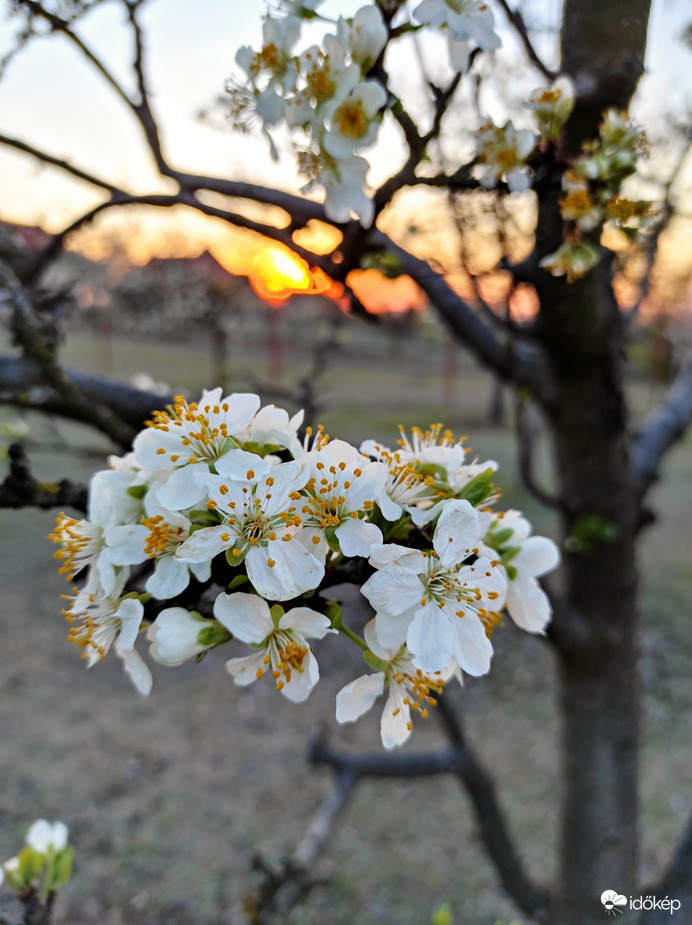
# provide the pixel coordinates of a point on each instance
(595, 631)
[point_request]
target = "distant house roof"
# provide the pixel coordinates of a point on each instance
(33, 238)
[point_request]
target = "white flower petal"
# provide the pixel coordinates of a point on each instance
(295, 570)
(357, 536)
(537, 556)
(457, 533)
(245, 615)
(244, 670)
(394, 590)
(136, 668)
(307, 622)
(170, 577)
(357, 698)
(430, 638)
(472, 648)
(298, 688)
(396, 716)
(528, 605)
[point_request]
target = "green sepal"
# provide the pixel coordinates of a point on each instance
(137, 491)
(233, 559)
(511, 572)
(478, 489)
(215, 634)
(261, 449)
(333, 613)
(377, 664)
(443, 916)
(63, 868)
(439, 473)
(200, 656)
(238, 580)
(500, 537)
(31, 864)
(332, 541)
(204, 517)
(509, 553)
(276, 613)
(14, 879)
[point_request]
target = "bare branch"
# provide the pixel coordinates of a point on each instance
(651, 243)
(23, 383)
(525, 442)
(512, 359)
(517, 21)
(676, 882)
(56, 162)
(282, 888)
(459, 760)
(21, 489)
(664, 428)
(30, 332)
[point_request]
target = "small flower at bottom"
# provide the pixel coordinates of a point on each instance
(409, 690)
(279, 638)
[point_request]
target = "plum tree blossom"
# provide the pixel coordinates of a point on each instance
(409, 689)
(435, 602)
(279, 638)
(228, 507)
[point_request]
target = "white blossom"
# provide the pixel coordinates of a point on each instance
(409, 689)
(435, 603)
(280, 640)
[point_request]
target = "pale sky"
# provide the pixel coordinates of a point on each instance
(53, 100)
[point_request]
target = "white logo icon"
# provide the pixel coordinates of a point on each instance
(611, 900)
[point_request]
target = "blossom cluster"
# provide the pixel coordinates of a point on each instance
(333, 93)
(226, 504)
(593, 195)
(44, 862)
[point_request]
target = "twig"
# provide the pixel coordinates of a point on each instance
(24, 384)
(31, 335)
(459, 760)
(676, 882)
(21, 489)
(525, 441)
(284, 887)
(663, 429)
(517, 21)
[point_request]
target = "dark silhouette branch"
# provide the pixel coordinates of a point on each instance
(23, 383)
(33, 334)
(283, 887)
(516, 20)
(676, 882)
(663, 429)
(457, 759)
(20, 488)
(57, 162)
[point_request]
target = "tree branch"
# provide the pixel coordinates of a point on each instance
(512, 359)
(676, 882)
(20, 488)
(457, 759)
(56, 162)
(33, 336)
(517, 21)
(664, 428)
(23, 383)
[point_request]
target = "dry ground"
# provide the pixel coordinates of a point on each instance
(168, 797)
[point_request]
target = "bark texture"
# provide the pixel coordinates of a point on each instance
(595, 629)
